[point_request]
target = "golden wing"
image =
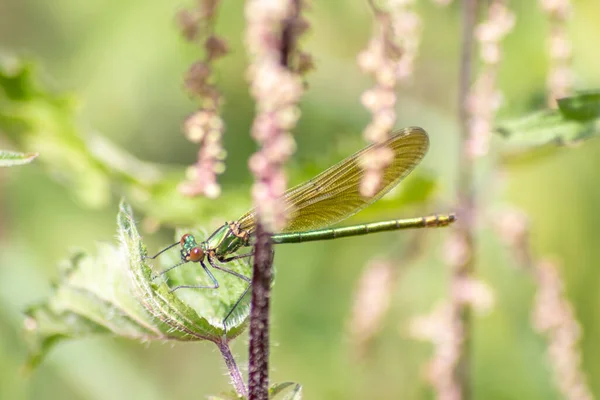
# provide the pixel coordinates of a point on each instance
(334, 195)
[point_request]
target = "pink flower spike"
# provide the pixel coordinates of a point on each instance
(277, 87)
(389, 58)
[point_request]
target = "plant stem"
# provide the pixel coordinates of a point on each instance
(258, 359)
(466, 198)
(262, 272)
(288, 36)
(236, 376)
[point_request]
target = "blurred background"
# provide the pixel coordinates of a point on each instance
(125, 62)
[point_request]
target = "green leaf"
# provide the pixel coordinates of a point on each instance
(294, 392)
(35, 117)
(12, 158)
(197, 312)
(577, 118)
(546, 132)
(15, 79)
(548, 126)
(113, 293)
(585, 106)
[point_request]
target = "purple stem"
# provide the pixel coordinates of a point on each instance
(262, 272)
(236, 376)
(258, 359)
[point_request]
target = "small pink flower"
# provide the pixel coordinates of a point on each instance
(484, 99)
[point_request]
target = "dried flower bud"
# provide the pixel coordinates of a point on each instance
(188, 24)
(305, 63)
(215, 47)
(197, 76)
(205, 126)
(207, 8)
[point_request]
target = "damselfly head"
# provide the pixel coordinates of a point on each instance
(190, 251)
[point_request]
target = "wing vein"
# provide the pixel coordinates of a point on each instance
(334, 195)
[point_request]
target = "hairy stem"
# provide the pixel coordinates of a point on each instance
(258, 360)
(258, 368)
(236, 376)
(466, 198)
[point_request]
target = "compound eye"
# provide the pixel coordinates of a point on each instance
(196, 254)
(184, 238)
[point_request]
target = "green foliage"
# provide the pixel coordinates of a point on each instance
(544, 132)
(548, 126)
(294, 392)
(12, 158)
(113, 293)
(584, 107)
(37, 119)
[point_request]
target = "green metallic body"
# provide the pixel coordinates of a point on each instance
(358, 230)
(223, 242)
